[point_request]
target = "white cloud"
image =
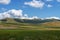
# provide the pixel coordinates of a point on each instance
(5, 14)
(52, 17)
(35, 17)
(35, 3)
(30, 18)
(49, 5)
(25, 16)
(5, 1)
(11, 13)
(15, 12)
(1, 16)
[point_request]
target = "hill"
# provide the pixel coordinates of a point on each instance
(10, 23)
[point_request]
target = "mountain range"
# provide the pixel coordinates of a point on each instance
(28, 20)
(29, 23)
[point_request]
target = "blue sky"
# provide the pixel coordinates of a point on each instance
(40, 8)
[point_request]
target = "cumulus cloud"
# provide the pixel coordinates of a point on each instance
(5, 1)
(11, 13)
(4, 15)
(35, 3)
(15, 12)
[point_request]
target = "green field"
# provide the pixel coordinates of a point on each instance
(29, 35)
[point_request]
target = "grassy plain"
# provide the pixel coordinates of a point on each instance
(29, 35)
(25, 31)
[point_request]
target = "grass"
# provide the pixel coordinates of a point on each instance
(27, 26)
(29, 35)
(25, 31)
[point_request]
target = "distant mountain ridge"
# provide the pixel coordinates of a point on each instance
(29, 23)
(28, 20)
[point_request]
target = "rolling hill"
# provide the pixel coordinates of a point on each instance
(29, 24)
